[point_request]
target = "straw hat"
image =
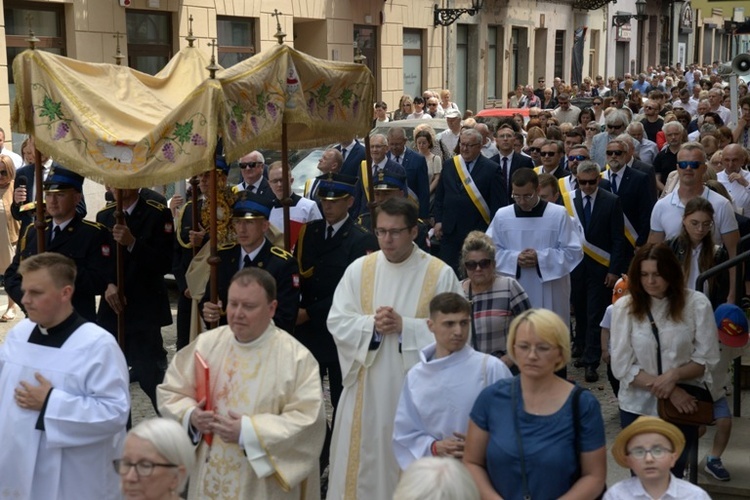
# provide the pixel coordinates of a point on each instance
(643, 425)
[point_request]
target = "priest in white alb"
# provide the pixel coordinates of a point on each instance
(433, 412)
(64, 394)
(266, 419)
(538, 244)
(379, 323)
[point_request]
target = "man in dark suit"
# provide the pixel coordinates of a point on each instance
(470, 191)
(633, 188)
(380, 161)
(551, 155)
(508, 159)
(148, 238)
(353, 153)
(67, 233)
(631, 161)
(600, 214)
(24, 193)
(417, 178)
(325, 249)
(251, 167)
(250, 220)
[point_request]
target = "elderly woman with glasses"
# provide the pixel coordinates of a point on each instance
(495, 299)
(156, 461)
(537, 435)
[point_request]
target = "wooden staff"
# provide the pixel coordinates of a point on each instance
(214, 259)
(286, 201)
(39, 223)
(196, 216)
(370, 187)
(120, 256)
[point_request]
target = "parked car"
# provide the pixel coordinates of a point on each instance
(493, 116)
(438, 124)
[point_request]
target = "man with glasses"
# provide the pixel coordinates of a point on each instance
(415, 165)
(666, 218)
(566, 112)
(734, 177)
(539, 90)
(551, 155)
(470, 191)
(538, 244)
(606, 257)
(380, 162)
(652, 122)
(616, 122)
(666, 160)
(685, 102)
(578, 153)
(65, 393)
(378, 321)
(507, 158)
(251, 167)
(741, 132)
(69, 234)
(301, 211)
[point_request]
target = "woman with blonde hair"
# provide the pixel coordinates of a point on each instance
(523, 428)
(405, 108)
(9, 227)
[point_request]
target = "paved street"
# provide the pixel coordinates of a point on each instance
(735, 459)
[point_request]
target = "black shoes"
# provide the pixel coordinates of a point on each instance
(577, 351)
(591, 375)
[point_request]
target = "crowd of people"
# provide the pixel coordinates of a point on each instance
(441, 284)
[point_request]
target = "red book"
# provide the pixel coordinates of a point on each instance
(203, 387)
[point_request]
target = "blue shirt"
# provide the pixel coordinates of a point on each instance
(548, 441)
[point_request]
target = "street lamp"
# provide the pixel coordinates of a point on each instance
(446, 17)
(622, 18)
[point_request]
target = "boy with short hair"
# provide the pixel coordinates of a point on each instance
(433, 411)
(650, 447)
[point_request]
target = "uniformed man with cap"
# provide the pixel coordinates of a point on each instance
(148, 238)
(324, 250)
(390, 183)
(250, 221)
(189, 236)
(67, 233)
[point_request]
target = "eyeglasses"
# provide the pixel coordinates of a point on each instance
(650, 108)
(655, 451)
(695, 165)
(250, 164)
(432, 104)
(591, 182)
(472, 145)
(593, 129)
(393, 233)
(524, 197)
(597, 104)
(615, 127)
(615, 153)
(275, 181)
(534, 150)
(144, 468)
(539, 349)
(3, 173)
(577, 158)
(547, 153)
(472, 265)
(703, 225)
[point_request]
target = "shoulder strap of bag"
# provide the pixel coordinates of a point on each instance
(515, 388)
(655, 331)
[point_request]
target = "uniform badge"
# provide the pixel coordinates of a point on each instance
(168, 227)
(295, 280)
(105, 250)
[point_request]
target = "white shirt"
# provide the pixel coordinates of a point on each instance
(666, 216)
(17, 160)
(691, 106)
(740, 194)
(632, 489)
(449, 139)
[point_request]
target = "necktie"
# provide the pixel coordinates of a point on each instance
(251, 188)
(613, 180)
(504, 170)
(56, 232)
(587, 211)
(398, 160)
(575, 184)
(343, 153)
(329, 232)
(469, 166)
(248, 261)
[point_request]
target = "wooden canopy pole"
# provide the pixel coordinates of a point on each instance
(120, 256)
(39, 222)
(196, 221)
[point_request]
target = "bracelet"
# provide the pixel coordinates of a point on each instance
(433, 449)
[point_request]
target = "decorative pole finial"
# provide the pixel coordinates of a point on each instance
(33, 40)
(213, 67)
(280, 35)
(119, 56)
(190, 38)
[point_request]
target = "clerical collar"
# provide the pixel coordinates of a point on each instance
(58, 334)
(537, 211)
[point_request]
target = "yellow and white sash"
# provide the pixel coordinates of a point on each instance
(471, 188)
(593, 251)
(308, 188)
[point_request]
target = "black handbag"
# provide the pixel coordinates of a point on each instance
(667, 410)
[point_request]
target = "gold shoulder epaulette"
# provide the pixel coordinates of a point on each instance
(94, 224)
(280, 252)
(156, 204)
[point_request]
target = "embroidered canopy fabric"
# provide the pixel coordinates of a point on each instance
(117, 126)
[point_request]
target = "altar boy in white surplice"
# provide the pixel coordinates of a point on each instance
(433, 412)
(538, 244)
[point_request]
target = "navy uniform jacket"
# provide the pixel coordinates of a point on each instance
(87, 243)
(276, 261)
(322, 264)
(145, 266)
(417, 178)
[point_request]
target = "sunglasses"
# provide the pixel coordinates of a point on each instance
(251, 164)
(695, 165)
(547, 153)
(615, 127)
(472, 265)
(534, 150)
(615, 153)
(597, 104)
(592, 182)
(577, 158)
(593, 129)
